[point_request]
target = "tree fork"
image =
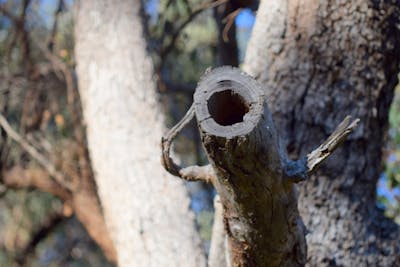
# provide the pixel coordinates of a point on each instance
(255, 179)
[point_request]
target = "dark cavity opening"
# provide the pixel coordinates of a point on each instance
(227, 107)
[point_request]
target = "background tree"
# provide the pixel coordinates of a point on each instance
(318, 63)
(147, 212)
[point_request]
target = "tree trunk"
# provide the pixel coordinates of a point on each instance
(146, 210)
(319, 61)
(260, 203)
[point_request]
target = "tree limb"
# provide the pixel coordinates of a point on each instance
(297, 171)
(83, 201)
(192, 173)
(56, 16)
(318, 155)
(37, 178)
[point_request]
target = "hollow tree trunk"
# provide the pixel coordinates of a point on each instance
(261, 218)
(319, 61)
(146, 210)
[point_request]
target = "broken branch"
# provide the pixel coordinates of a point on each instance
(318, 155)
(192, 173)
(297, 171)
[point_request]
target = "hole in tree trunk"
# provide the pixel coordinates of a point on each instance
(227, 107)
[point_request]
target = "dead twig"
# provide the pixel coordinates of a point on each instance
(192, 173)
(297, 171)
(229, 20)
(318, 155)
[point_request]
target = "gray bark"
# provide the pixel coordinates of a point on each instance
(319, 61)
(260, 208)
(146, 209)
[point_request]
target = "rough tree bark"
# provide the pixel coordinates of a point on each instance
(146, 211)
(260, 208)
(318, 61)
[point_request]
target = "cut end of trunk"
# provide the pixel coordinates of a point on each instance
(227, 107)
(228, 102)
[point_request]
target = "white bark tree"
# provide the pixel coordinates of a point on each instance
(146, 210)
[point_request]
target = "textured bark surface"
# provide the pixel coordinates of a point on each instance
(260, 204)
(319, 61)
(146, 210)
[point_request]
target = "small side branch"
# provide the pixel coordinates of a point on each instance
(192, 173)
(298, 171)
(318, 155)
(46, 163)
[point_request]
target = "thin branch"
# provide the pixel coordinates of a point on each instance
(165, 51)
(26, 49)
(229, 20)
(42, 160)
(198, 173)
(318, 155)
(16, 21)
(57, 12)
(20, 32)
(297, 171)
(192, 173)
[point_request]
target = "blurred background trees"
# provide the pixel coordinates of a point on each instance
(41, 224)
